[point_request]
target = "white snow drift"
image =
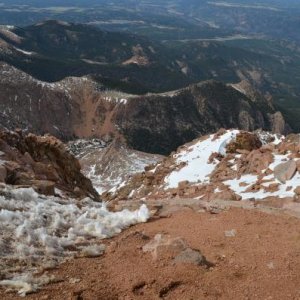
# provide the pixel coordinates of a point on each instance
(197, 168)
(44, 230)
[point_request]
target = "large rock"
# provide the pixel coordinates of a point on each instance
(164, 246)
(285, 171)
(244, 141)
(174, 250)
(44, 163)
(44, 187)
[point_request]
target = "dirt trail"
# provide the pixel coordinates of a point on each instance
(262, 261)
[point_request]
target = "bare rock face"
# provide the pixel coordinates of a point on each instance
(43, 163)
(244, 141)
(278, 124)
(44, 187)
(285, 171)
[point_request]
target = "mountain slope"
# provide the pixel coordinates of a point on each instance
(53, 50)
(158, 123)
(228, 165)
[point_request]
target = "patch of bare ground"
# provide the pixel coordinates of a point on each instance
(254, 256)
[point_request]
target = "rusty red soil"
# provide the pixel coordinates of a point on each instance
(262, 261)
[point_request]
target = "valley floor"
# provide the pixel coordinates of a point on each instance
(254, 255)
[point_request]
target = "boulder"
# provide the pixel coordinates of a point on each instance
(175, 250)
(183, 184)
(273, 187)
(244, 141)
(256, 162)
(44, 187)
(285, 171)
(164, 247)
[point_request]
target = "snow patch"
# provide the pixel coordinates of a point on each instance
(197, 168)
(42, 229)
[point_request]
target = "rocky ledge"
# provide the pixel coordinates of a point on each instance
(41, 162)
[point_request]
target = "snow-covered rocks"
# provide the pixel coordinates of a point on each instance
(196, 160)
(230, 165)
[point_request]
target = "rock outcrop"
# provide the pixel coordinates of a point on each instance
(42, 162)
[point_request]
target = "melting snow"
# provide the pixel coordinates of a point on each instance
(197, 168)
(249, 179)
(36, 228)
(24, 52)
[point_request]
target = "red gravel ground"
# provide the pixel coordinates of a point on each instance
(262, 261)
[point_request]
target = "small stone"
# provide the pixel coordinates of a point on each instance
(190, 256)
(230, 233)
(270, 265)
(74, 280)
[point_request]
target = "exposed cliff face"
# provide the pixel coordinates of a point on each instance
(42, 162)
(33, 105)
(158, 123)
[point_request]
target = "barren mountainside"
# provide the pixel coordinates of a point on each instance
(157, 123)
(149, 149)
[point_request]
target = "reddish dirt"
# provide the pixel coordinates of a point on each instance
(261, 262)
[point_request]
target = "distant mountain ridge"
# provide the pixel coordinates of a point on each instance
(53, 50)
(157, 123)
